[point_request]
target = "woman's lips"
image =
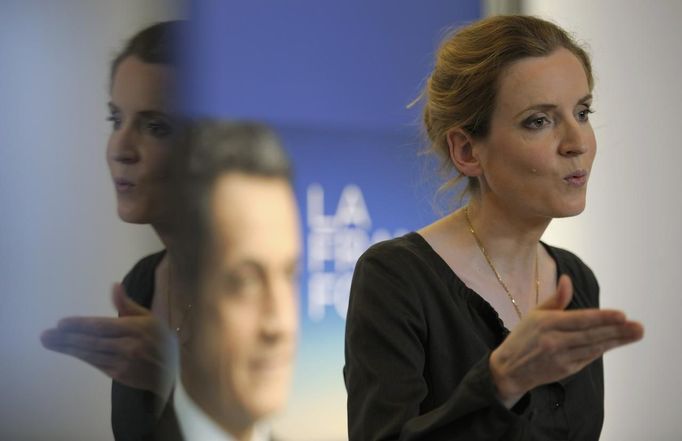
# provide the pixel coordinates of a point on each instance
(123, 185)
(577, 178)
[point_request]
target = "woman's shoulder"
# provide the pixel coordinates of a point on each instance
(408, 263)
(401, 252)
(388, 281)
(583, 278)
(139, 281)
(568, 261)
(146, 264)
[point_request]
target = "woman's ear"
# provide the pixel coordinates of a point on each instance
(462, 152)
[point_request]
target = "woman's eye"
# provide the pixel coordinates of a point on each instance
(158, 129)
(584, 115)
(115, 121)
(536, 122)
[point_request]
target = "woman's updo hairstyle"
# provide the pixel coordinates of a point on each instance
(461, 91)
(157, 44)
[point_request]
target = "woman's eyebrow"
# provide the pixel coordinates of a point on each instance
(150, 113)
(586, 98)
(546, 106)
(537, 107)
(153, 114)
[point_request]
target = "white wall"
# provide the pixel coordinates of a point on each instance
(630, 233)
(61, 244)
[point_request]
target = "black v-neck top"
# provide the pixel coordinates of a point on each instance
(418, 343)
(133, 416)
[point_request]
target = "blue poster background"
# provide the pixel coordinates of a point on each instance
(334, 80)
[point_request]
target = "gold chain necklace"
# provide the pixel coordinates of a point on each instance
(188, 308)
(492, 267)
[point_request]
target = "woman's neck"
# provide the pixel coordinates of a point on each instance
(170, 283)
(165, 234)
(509, 237)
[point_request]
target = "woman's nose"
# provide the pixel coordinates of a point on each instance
(123, 146)
(574, 139)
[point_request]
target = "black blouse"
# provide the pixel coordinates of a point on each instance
(133, 410)
(418, 341)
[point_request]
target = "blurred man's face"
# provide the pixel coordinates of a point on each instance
(246, 324)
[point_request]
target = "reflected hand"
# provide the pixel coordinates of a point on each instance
(135, 349)
(550, 344)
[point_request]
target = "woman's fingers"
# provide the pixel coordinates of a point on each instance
(106, 326)
(102, 326)
(136, 350)
(125, 348)
(99, 360)
(578, 320)
(550, 344)
(597, 349)
(572, 352)
(589, 354)
(108, 345)
(130, 337)
(140, 376)
(125, 359)
(596, 335)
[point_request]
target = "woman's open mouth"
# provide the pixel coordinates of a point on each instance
(123, 185)
(576, 179)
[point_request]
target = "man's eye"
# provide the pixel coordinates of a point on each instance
(294, 274)
(243, 285)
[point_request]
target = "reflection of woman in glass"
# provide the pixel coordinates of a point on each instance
(136, 349)
(429, 350)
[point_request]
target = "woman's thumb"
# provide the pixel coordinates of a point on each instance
(124, 304)
(562, 297)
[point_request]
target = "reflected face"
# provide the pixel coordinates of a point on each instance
(248, 320)
(140, 143)
(538, 154)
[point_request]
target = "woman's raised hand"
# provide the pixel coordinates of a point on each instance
(550, 344)
(135, 349)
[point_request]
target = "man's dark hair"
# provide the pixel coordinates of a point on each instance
(211, 150)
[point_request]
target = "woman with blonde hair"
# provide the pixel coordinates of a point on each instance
(472, 328)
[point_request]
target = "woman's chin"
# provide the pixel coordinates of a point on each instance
(132, 216)
(570, 210)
